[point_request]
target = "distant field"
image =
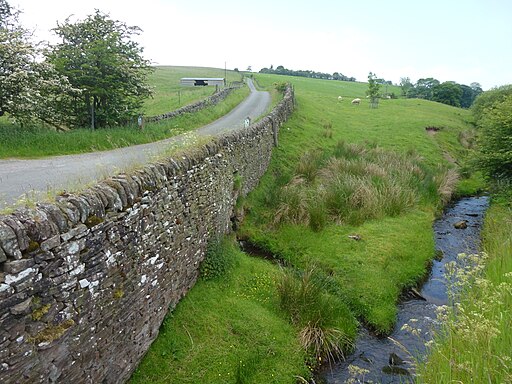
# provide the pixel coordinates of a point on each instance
(169, 95)
(397, 124)
(348, 89)
(29, 142)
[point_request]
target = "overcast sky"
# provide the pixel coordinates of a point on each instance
(459, 40)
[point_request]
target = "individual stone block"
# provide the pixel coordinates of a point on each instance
(9, 241)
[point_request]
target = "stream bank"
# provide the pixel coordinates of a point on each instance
(390, 360)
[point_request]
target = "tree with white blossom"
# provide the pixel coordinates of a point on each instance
(30, 89)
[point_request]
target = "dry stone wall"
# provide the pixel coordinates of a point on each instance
(86, 281)
(214, 99)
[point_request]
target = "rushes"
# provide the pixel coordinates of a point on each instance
(446, 185)
(308, 165)
(356, 184)
(324, 330)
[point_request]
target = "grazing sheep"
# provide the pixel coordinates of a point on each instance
(356, 101)
(340, 98)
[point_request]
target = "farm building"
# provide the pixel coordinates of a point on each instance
(202, 81)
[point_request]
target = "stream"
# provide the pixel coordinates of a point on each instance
(389, 359)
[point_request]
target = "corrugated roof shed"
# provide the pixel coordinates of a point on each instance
(201, 81)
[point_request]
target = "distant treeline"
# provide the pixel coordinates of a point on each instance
(449, 92)
(280, 70)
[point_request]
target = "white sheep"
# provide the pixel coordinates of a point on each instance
(340, 98)
(356, 101)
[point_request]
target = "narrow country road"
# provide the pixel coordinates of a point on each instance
(33, 179)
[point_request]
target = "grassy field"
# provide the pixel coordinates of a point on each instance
(395, 249)
(31, 142)
(169, 95)
(360, 262)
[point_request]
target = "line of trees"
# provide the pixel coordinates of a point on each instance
(280, 70)
(449, 92)
(95, 76)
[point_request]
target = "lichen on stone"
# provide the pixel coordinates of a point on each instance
(53, 332)
(38, 313)
(93, 221)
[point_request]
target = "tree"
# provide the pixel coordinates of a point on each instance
(476, 87)
(280, 70)
(468, 96)
(488, 99)
(424, 88)
(495, 139)
(406, 85)
(448, 92)
(373, 90)
(15, 56)
(29, 89)
(99, 57)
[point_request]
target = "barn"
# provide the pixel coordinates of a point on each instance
(202, 81)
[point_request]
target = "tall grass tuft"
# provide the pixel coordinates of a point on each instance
(308, 165)
(324, 331)
(357, 184)
(467, 138)
(447, 182)
(318, 216)
(294, 203)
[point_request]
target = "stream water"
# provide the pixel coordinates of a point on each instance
(389, 360)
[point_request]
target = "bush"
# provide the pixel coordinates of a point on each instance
(218, 259)
(495, 140)
(487, 100)
(281, 87)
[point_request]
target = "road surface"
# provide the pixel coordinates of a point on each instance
(35, 179)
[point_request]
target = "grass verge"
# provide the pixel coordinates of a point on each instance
(32, 142)
(228, 329)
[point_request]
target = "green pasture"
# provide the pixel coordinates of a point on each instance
(397, 124)
(365, 265)
(394, 251)
(169, 95)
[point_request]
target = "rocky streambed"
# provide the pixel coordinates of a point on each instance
(391, 359)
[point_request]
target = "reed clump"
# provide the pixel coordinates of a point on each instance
(358, 183)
